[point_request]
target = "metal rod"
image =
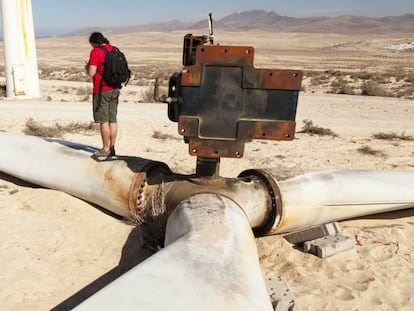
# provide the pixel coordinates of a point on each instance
(208, 167)
(210, 27)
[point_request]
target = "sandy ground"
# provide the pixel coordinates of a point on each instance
(56, 250)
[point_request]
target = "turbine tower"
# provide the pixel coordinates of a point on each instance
(22, 79)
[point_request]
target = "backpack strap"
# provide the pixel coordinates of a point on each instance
(106, 51)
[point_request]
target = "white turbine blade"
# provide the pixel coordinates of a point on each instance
(322, 197)
(210, 262)
(68, 167)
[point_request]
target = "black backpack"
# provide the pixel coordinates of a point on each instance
(116, 69)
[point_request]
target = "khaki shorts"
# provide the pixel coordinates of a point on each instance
(106, 109)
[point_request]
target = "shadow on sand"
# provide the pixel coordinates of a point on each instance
(132, 255)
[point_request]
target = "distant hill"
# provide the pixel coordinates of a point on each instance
(271, 21)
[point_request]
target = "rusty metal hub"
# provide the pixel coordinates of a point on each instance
(220, 100)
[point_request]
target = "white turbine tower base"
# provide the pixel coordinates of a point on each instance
(22, 78)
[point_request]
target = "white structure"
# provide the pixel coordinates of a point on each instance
(22, 79)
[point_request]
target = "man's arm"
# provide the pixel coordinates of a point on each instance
(91, 70)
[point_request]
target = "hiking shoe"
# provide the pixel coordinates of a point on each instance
(102, 153)
(112, 151)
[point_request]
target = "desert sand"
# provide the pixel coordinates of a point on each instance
(56, 250)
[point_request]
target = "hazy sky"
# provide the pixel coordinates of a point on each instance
(66, 15)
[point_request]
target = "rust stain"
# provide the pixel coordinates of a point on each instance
(272, 79)
(188, 126)
(210, 148)
(118, 186)
(22, 10)
(191, 75)
(272, 129)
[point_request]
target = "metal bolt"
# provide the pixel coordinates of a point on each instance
(182, 130)
(194, 150)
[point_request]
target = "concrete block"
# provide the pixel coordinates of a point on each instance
(329, 245)
(313, 233)
(281, 296)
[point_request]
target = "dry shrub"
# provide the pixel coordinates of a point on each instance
(369, 151)
(340, 86)
(373, 89)
(148, 96)
(361, 75)
(409, 78)
(163, 136)
(318, 80)
(57, 131)
(310, 128)
(392, 136)
(407, 92)
(84, 91)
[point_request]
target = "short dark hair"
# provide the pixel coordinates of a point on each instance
(98, 38)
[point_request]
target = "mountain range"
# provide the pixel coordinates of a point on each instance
(271, 21)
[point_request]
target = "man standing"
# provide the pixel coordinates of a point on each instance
(105, 96)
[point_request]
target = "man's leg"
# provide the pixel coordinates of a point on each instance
(105, 135)
(113, 129)
(113, 125)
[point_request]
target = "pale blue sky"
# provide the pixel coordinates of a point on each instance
(66, 15)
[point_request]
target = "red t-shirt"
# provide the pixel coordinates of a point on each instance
(97, 58)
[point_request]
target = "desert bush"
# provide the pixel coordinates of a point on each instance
(369, 151)
(310, 128)
(340, 86)
(334, 73)
(148, 96)
(406, 92)
(87, 98)
(361, 75)
(409, 78)
(84, 90)
(392, 136)
(163, 136)
(36, 129)
(319, 79)
(373, 89)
